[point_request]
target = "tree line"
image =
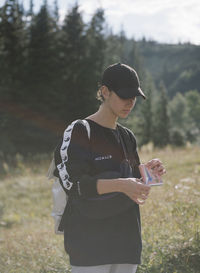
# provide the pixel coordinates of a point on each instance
(49, 75)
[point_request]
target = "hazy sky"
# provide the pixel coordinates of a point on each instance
(169, 21)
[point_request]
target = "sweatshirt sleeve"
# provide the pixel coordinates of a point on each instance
(73, 162)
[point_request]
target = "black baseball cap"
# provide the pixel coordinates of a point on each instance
(123, 80)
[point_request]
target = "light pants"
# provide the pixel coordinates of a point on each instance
(108, 268)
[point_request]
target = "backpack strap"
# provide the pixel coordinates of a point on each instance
(87, 125)
(125, 142)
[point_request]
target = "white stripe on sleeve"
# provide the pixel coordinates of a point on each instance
(63, 152)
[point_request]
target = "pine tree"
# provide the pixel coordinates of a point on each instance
(82, 51)
(193, 102)
(178, 110)
(96, 42)
(135, 60)
(12, 56)
(161, 122)
(145, 125)
(122, 55)
(72, 58)
(56, 13)
(40, 64)
(12, 48)
(95, 60)
(30, 11)
(112, 49)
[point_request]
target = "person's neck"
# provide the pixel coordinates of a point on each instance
(104, 117)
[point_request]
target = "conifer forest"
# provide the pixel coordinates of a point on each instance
(50, 72)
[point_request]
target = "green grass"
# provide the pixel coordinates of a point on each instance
(170, 218)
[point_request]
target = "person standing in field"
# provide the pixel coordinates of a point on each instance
(97, 165)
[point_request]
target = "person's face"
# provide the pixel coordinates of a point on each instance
(119, 107)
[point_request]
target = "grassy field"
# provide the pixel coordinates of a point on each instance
(170, 218)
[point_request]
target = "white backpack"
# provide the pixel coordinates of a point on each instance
(60, 197)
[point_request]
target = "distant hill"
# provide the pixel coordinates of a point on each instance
(178, 66)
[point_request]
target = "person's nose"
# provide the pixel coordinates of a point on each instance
(131, 101)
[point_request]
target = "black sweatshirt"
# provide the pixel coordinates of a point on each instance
(79, 160)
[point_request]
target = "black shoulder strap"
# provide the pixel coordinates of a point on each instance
(131, 156)
(125, 142)
(127, 145)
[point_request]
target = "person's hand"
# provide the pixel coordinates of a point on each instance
(156, 166)
(136, 190)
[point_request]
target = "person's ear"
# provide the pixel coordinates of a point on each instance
(105, 92)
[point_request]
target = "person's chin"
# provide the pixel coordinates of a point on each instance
(124, 114)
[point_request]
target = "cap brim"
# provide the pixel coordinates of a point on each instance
(141, 93)
(128, 93)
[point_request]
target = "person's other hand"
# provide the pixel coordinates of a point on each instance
(156, 166)
(136, 190)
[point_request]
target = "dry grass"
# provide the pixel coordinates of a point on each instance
(170, 218)
(27, 240)
(171, 222)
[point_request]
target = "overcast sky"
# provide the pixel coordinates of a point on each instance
(168, 21)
